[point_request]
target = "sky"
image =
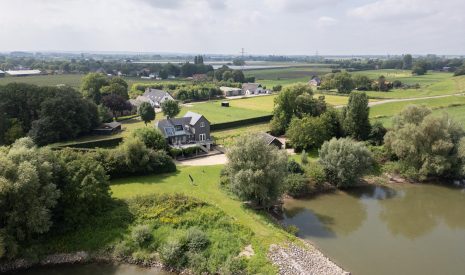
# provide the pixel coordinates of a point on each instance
(281, 27)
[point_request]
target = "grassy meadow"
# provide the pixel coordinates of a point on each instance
(287, 76)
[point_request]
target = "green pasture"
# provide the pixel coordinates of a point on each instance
(287, 76)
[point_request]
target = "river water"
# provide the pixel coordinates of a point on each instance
(92, 269)
(394, 229)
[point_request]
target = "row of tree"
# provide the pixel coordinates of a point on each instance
(345, 82)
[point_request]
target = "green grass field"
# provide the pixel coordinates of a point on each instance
(287, 76)
(385, 112)
(207, 189)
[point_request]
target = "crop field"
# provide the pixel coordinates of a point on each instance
(290, 75)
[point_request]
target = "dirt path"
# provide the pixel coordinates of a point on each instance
(406, 99)
(210, 160)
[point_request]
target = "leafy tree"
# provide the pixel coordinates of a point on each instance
(378, 131)
(307, 133)
(296, 185)
(407, 62)
(119, 81)
(343, 82)
(344, 161)
(356, 116)
(64, 116)
(146, 112)
(91, 85)
(84, 186)
(115, 89)
(332, 119)
(115, 103)
(27, 191)
(170, 108)
(426, 145)
(163, 74)
(362, 82)
(304, 157)
(293, 101)
(152, 138)
(228, 76)
(420, 67)
(460, 71)
(382, 86)
(256, 171)
(104, 114)
(238, 76)
(238, 62)
(277, 88)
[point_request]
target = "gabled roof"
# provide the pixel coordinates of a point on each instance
(267, 137)
(251, 86)
(194, 117)
(155, 95)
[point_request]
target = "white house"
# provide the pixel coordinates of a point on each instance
(156, 97)
(252, 89)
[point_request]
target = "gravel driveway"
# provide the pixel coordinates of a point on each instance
(210, 160)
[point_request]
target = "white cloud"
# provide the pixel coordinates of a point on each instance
(225, 26)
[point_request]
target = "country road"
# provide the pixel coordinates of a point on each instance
(370, 104)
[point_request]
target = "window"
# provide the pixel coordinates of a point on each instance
(178, 127)
(202, 137)
(202, 124)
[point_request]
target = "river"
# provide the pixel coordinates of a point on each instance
(392, 229)
(92, 269)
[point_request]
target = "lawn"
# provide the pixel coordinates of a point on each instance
(385, 112)
(206, 188)
(227, 137)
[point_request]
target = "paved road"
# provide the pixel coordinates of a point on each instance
(370, 104)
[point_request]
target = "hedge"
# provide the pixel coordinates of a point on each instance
(238, 123)
(103, 143)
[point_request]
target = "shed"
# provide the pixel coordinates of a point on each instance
(107, 128)
(225, 104)
(270, 140)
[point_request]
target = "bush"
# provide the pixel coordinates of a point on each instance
(296, 185)
(292, 229)
(294, 167)
(316, 174)
(304, 157)
(196, 239)
(344, 161)
(377, 133)
(152, 138)
(141, 234)
(172, 253)
(234, 266)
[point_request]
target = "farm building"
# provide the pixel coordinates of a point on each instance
(229, 91)
(155, 97)
(315, 81)
(108, 128)
(270, 140)
(252, 89)
(23, 72)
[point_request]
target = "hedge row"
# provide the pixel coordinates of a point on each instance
(238, 123)
(103, 143)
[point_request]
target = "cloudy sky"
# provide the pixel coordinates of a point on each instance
(225, 26)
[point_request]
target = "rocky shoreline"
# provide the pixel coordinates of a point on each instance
(296, 260)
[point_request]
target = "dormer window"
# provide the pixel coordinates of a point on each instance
(178, 127)
(202, 124)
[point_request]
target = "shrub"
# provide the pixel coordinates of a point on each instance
(316, 174)
(294, 167)
(307, 132)
(234, 266)
(344, 161)
(377, 133)
(152, 138)
(292, 229)
(196, 239)
(141, 234)
(304, 157)
(172, 253)
(296, 185)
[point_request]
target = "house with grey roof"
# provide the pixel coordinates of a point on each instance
(252, 89)
(190, 130)
(156, 97)
(315, 81)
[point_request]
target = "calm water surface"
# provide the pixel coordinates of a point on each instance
(403, 229)
(92, 269)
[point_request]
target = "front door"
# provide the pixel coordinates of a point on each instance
(202, 137)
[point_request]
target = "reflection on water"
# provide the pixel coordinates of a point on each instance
(92, 269)
(408, 229)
